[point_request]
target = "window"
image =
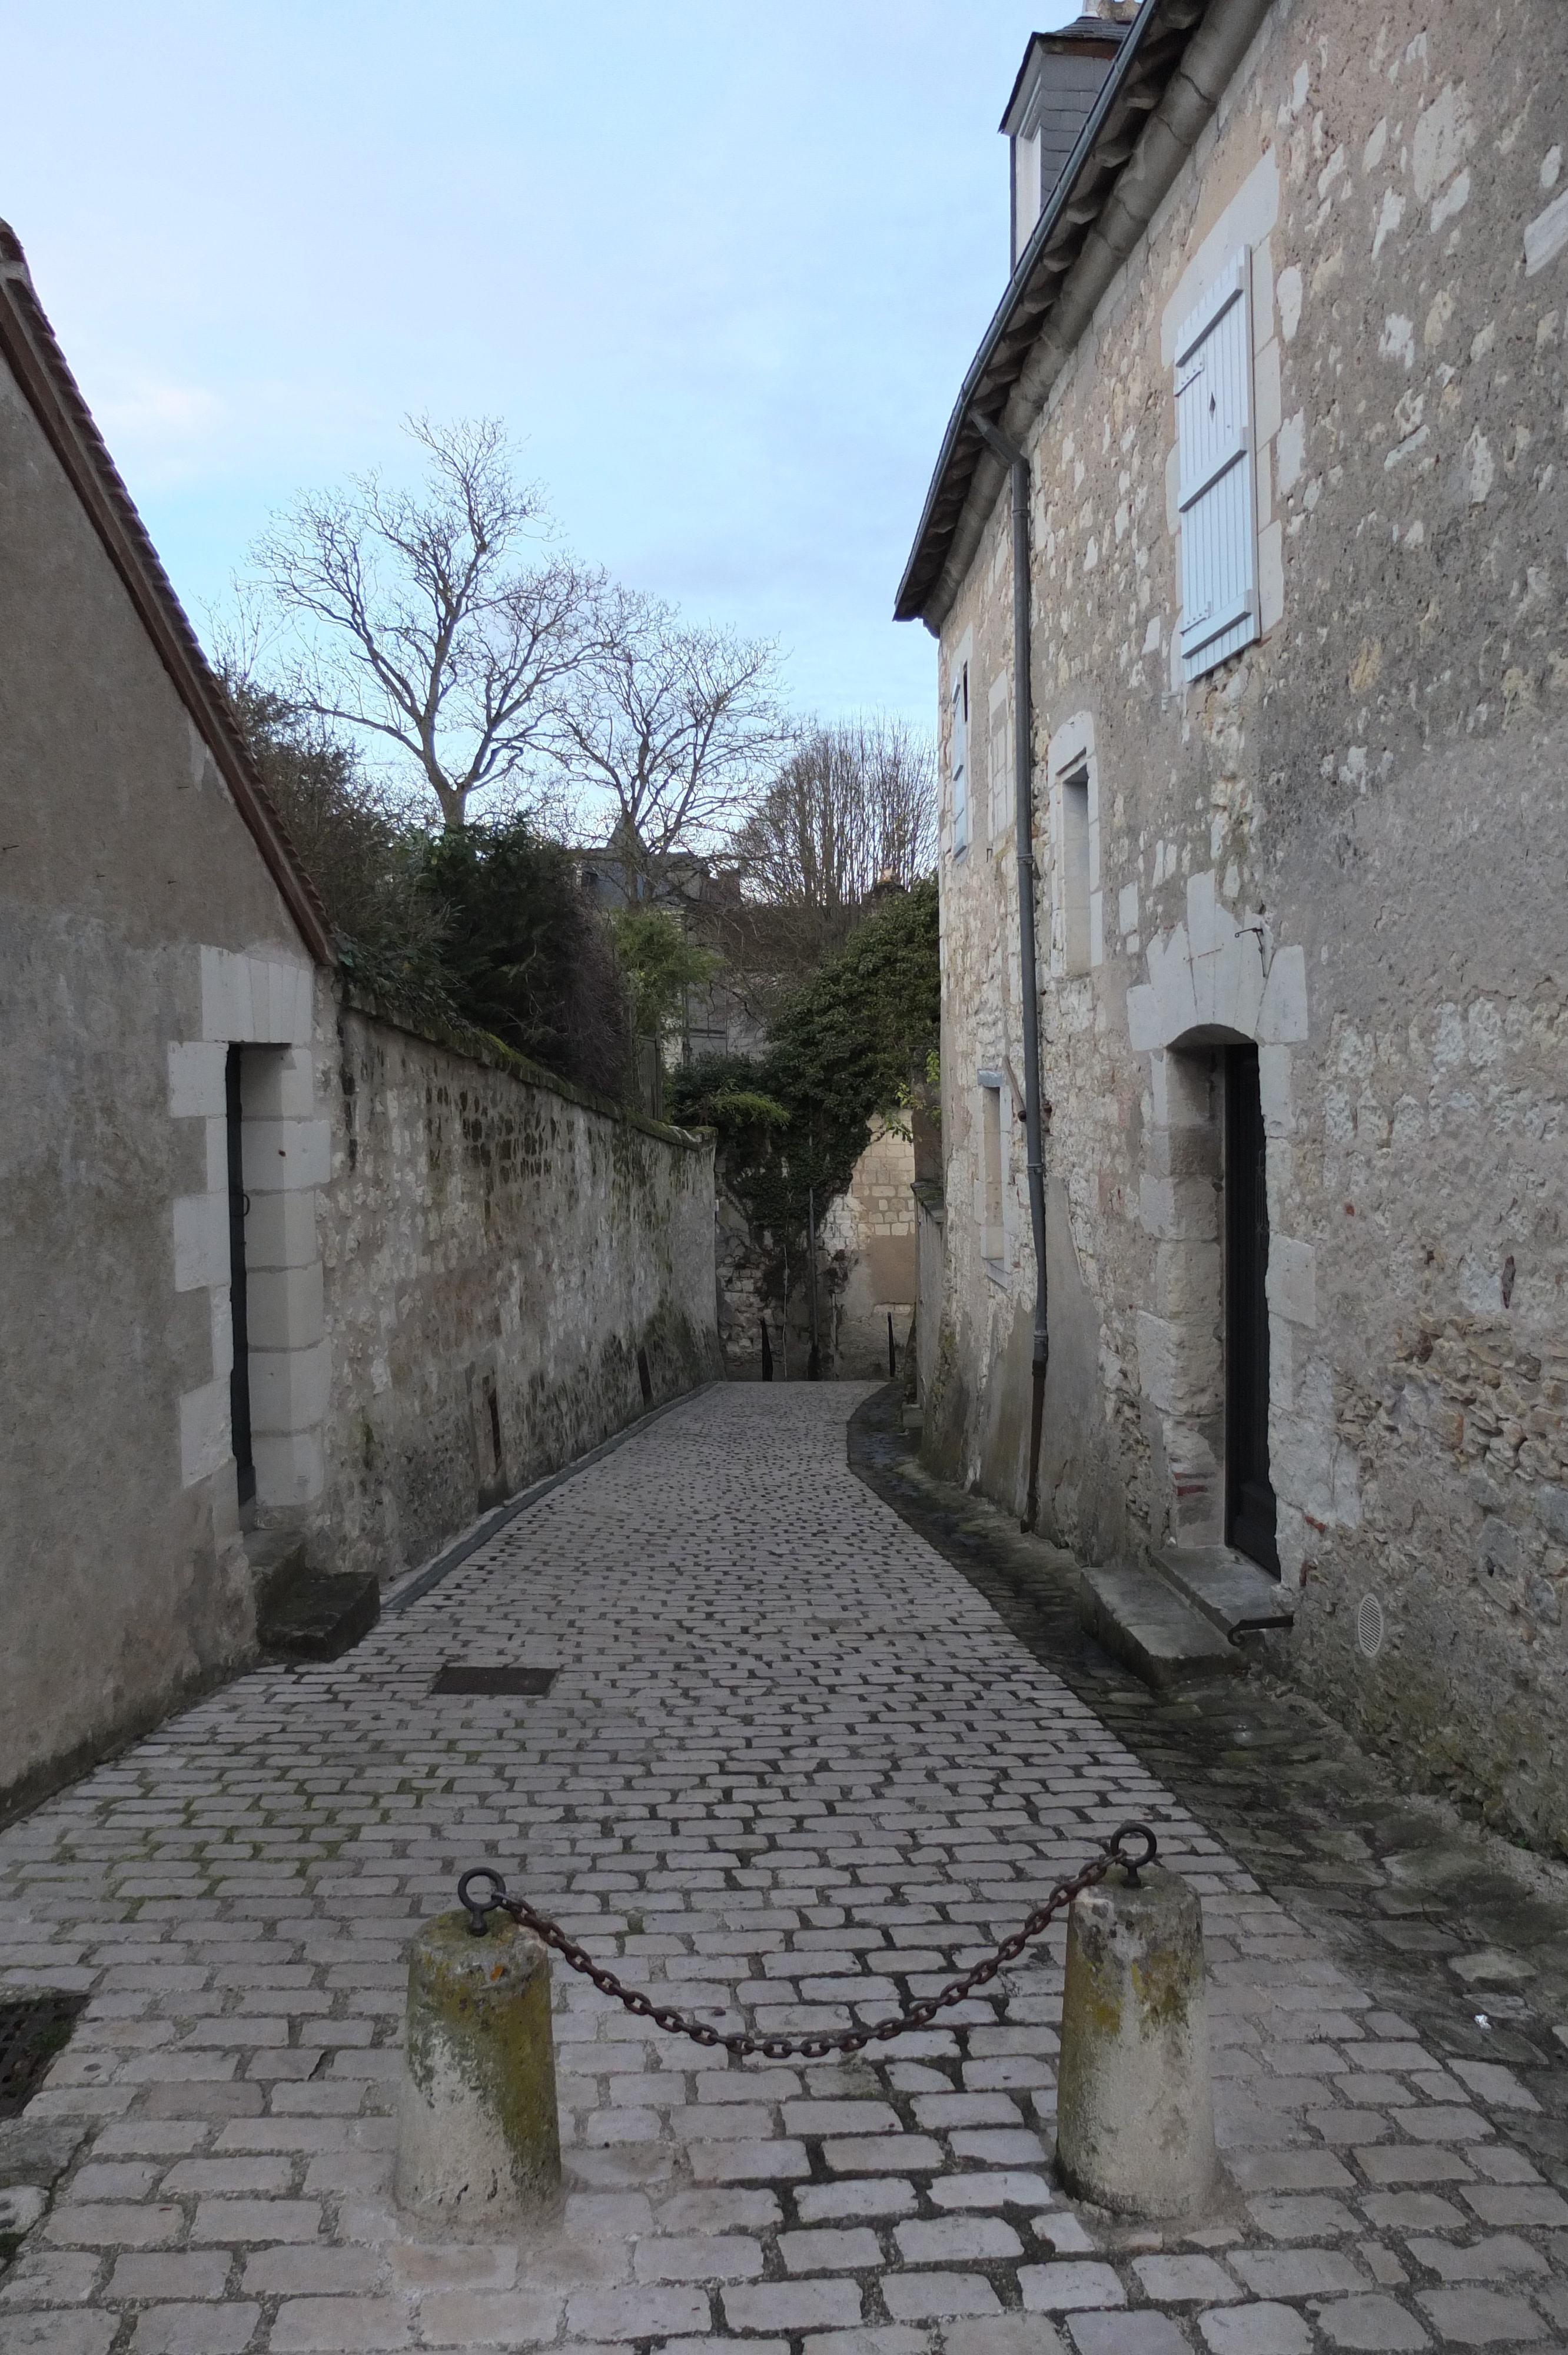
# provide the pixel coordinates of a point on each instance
(999, 763)
(992, 1246)
(1062, 75)
(1078, 900)
(1214, 438)
(960, 757)
(1026, 192)
(1075, 944)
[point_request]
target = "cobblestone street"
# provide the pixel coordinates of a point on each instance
(794, 1769)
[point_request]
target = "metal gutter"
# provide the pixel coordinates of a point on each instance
(1028, 984)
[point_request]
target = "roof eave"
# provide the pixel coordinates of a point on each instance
(911, 599)
(1168, 78)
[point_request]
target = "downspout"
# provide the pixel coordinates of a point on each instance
(1023, 825)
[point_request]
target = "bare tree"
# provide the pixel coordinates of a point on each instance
(417, 620)
(854, 805)
(672, 724)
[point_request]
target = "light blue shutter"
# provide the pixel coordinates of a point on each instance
(1215, 437)
(960, 760)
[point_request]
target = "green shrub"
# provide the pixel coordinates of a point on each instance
(854, 1040)
(522, 954)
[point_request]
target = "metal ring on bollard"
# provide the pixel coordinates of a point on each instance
(481, 1909)
(1132, 1866)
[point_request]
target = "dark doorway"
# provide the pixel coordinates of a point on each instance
(238, 1204)
(1249, 1493)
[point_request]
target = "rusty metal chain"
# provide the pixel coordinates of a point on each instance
(919, 2014)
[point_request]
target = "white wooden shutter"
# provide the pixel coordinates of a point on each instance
(960, 760)
(1214, 435)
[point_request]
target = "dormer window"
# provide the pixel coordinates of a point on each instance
(1061, 76)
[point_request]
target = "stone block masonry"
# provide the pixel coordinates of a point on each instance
(792, 1769)
(869, 1235)
(496, 1247)
(865, 1274)
(1335, 857)
(458, 1274)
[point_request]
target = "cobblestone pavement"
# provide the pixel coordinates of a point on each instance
(1428, 1911)
(794, 1768)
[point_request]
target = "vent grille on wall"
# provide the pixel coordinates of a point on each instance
(1369, 1625)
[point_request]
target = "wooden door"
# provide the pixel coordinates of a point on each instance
(238, 1204)
(1249, 1492)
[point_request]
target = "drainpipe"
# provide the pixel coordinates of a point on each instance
(1013, 458)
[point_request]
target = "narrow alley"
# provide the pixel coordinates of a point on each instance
(792, 1771)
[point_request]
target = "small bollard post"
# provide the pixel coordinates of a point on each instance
(478, 2132)
(1135, 2114)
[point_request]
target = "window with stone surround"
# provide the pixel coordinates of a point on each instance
(991, 1242)
(998, 764)
(1076, 871)
(1077, 899)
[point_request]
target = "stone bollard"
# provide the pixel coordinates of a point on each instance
(478, 2135)
(1135, 2112)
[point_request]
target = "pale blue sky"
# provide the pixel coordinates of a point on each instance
(720, 269)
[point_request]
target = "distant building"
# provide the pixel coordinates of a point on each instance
(715, 1019)
(1281, 343)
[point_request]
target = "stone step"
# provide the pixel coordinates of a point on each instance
(276, 1557)
(1158, 1635)
(318, 1615)
(1233, 1594)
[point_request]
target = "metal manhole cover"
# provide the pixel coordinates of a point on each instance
(31, 2033)
(494, 1680)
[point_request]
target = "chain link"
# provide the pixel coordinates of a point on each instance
(919, 2014)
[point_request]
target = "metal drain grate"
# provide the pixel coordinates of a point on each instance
(31, 2033)
(494, 1680)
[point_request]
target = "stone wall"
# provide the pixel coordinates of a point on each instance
(457, 1275)
(497, 1253)
(868, 1236)
(865, 1272)
(740, 1275)
(123, 1579)
(930, 1287)
(1346, 845)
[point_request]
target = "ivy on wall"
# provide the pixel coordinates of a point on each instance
(857, 1039)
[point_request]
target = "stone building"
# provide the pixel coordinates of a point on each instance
(276, 1275)
(714, 1017)
(1280, 348)
(868, 1238)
